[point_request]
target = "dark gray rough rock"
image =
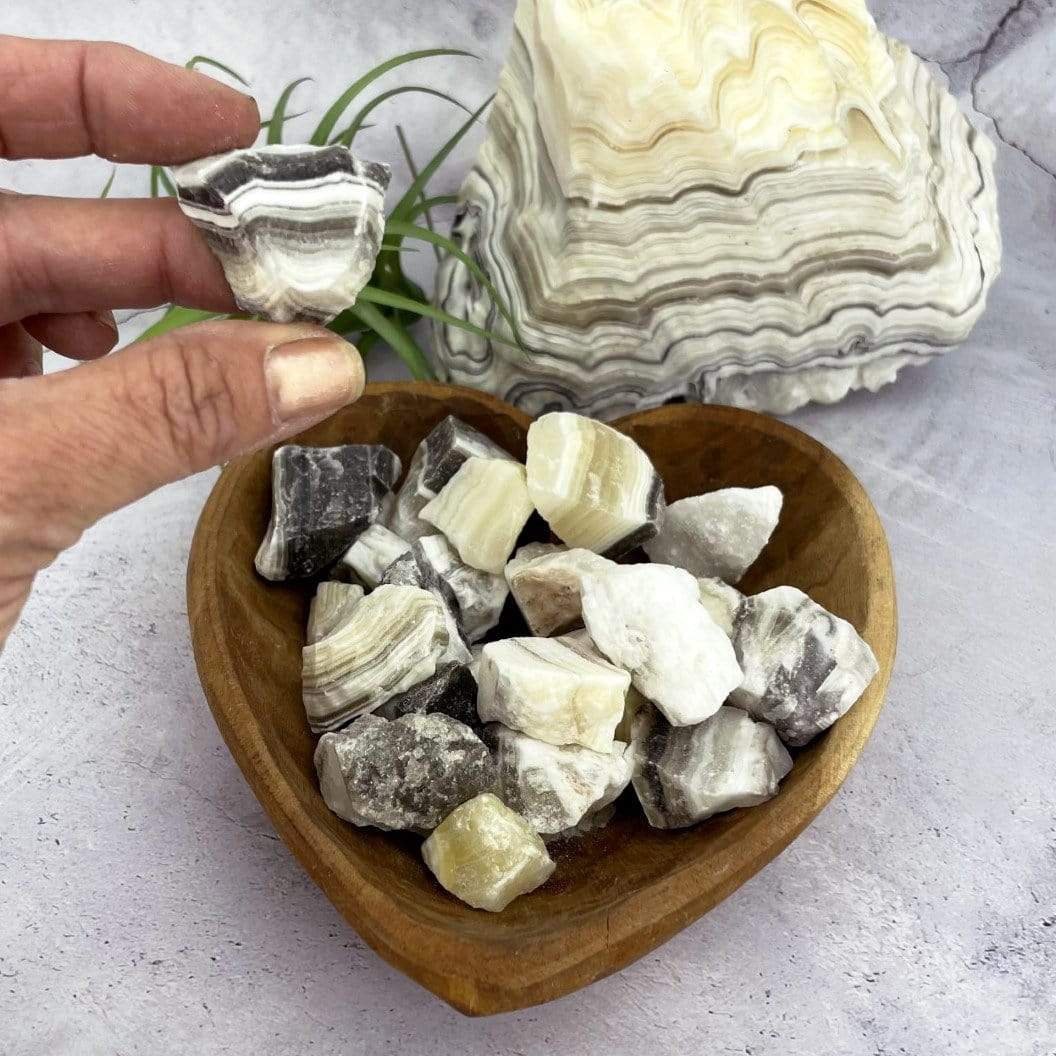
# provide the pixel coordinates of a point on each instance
(322, 499)
(452, 691)
(406, 774)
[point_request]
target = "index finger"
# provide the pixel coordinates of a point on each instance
(64, 99)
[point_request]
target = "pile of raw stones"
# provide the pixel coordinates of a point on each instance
(660, 675)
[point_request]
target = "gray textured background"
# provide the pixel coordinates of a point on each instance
(146, 905)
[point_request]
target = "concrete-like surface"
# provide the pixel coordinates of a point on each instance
(146, 906)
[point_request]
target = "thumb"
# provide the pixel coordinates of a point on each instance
(79, 444)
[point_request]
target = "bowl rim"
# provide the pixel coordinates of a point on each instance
(473, 972)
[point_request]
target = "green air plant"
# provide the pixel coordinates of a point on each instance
(391, 303)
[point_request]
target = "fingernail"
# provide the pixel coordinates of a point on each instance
(312, 377)
(106, 319)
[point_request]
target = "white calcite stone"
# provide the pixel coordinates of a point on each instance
(372, 553)
(554, 690)
(436, 460)
(331, 607)
(486, 854)
(719, 534)
(405, 774)
(721, 600)
(394, 638)
(684, 774)
(803, 667)
(480, 595)
(595, 487)
(482, 510)
(554, 787)
(545, 582)
(648, 619)
(297, 229)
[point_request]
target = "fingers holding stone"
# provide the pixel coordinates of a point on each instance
(61, 99)
(61, 255)
(79, 335)
(111, 431)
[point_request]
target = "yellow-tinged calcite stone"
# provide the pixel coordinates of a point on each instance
(486, 854)
(482, 510)
(596, 487)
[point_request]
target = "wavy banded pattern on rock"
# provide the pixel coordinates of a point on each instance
(758, 203)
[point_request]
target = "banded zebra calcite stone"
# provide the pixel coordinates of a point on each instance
(648, 620)
(436, 460)
(554, 787)
(331, 607)
(322, 499)
(411, 570)
(482, 510)
(405, 774)
(486, 854)
(372, 553)
(452, 691)
(545, 581)
(595, 487)
(803, 666)
(552, 689)
(395, 638)
(297, 229)
(718, 535)
(480, 595)
(721, 601)
(684, 774)
(791, 209)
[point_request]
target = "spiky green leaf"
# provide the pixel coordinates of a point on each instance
(326, 126)
(278, 116)
(406, 204)
(395, 336)
(204, 60)
(108, 186)
(398, 227)
(348, 136)
(407, 304)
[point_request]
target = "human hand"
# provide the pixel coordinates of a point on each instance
(78, 444)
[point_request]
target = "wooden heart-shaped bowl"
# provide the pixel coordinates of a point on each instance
(619, 892)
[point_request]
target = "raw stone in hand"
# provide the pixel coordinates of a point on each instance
(452, 690)
(482, 510)
(545, 581)
(331, 607)
(405, 774)
(595, 487)
(436, 460)
(297, 229)
(322, 499)
(803, 667)
(394, 638)
(486, 854)
(551, 689)
(554, 787)
(648, 619)
(684, 774)
(719, 534)
(372, 553)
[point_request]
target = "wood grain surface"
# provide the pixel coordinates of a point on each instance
(617, 893)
